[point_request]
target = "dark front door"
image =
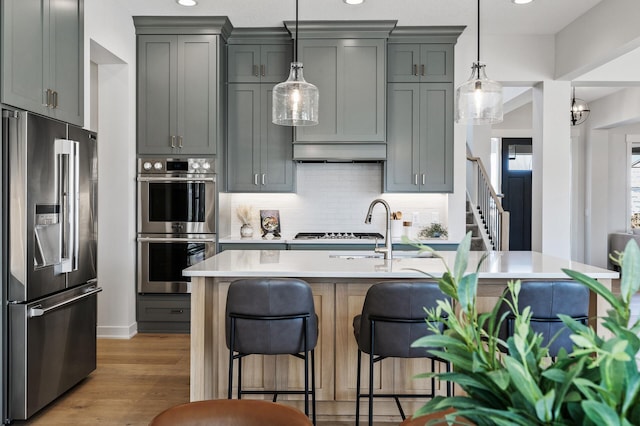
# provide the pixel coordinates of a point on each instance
(516, 186)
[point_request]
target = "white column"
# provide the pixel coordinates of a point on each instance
(551, 176)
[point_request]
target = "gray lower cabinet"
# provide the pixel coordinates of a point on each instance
(250, 63)
(350, 76)
(42, 57)
(164, 313)
(253, 246)
(259, 153)
(419, 137)
(420, 63)
(177, 94)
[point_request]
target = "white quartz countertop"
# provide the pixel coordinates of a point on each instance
(326, 264)
(292, 240)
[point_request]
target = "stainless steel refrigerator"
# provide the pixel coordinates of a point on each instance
(50, 282)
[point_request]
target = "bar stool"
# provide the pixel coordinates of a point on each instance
(547, 299)
(272, 316)
(225, 412)
(392, 319)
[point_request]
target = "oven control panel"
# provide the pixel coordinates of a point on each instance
(175, 165)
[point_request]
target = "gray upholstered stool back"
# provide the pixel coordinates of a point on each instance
(397, 300)
(270, 297)
(547, 299)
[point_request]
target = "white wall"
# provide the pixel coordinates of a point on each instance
(335, 197)
(110, 38)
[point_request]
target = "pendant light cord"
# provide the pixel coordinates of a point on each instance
(478, 70)
(478, 30)
(295, 47)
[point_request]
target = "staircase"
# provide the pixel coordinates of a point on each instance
(477, 242)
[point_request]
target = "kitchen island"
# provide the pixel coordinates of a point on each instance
(339, 281)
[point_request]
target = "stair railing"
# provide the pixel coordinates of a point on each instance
(487, 205)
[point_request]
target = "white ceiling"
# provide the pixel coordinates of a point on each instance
(497, 16)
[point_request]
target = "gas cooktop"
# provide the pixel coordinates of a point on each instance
(338, 236)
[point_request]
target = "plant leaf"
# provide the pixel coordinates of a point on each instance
(600, 414)
(467, 289)
(630, 275)
(544, 406)
(462, 256)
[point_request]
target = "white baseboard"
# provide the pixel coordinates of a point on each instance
(109, 332)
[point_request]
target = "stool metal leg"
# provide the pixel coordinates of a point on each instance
(233, 335)
(313, 385)
(371, 353)
(358, 387)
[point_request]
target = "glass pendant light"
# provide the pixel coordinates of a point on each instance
(479, 100)
(579, 110)
(295, 102)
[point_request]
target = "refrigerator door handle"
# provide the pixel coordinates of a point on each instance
(38, 310)
(68, 186)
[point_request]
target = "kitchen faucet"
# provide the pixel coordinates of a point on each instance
(387, 235)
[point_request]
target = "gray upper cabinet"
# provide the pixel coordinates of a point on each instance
(179, 84)
(42, 57)
(414, 63)
(346, 60)
(268, 63)
(349, 75)
(420, 109)
(420, 138)
(259, 153)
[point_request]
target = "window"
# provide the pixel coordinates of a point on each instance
(635, 185)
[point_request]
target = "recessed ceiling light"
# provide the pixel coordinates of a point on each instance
(521, 1)
(187, 2)
(353, 1)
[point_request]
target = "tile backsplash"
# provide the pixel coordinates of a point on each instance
(333, 197)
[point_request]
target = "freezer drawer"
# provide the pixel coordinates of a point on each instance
(52, 347)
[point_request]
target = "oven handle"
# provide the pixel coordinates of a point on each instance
(175, 179)
(174, 240)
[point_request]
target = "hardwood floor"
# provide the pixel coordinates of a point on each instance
(135, 380)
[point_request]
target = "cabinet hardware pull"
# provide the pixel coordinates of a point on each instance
(415, 179)
(177, 311)
(422, 69)
(264, 179)
(173, 141)
(415, 69)
(55, 98)
(48, 100)
(424, 179)
(263, 70)
(255, 179)
(255, 70)
(180, 142)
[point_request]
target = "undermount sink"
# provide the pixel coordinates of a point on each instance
(373, 255)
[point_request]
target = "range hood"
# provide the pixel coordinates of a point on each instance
(340, 151)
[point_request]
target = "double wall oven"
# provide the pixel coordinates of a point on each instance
(176, 220)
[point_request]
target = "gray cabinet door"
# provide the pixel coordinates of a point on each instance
(197, 94)
(276, 149)
(420, 138)
(436, 63)
(403, 64)
(66, 72)
(42, 57)
(249, 63)
(350, 76)
(157, 93)
(414, 62)
(276, 62)
(23, 53)
(177, 94)
(436, 137)
(243, 138)
(403, 137)
(244, 63)
(259, 153)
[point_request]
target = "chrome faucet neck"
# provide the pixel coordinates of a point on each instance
(387, 250)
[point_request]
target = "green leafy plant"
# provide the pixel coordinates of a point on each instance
(435, 230)
(598, 383)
